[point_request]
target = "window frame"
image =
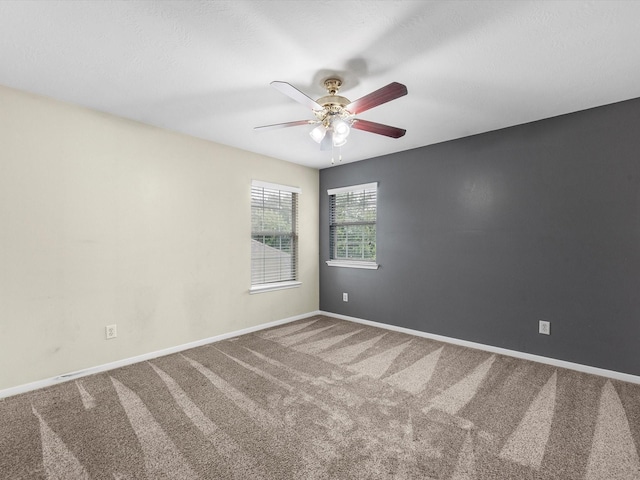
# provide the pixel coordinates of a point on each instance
(346, 262)
(289, 283)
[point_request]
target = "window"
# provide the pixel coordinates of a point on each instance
(274, 237)
(352, 217)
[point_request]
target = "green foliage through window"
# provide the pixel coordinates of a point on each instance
(353, 216)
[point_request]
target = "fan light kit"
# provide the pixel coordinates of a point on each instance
(335, 115)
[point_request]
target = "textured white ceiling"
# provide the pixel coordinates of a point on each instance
(203, 67)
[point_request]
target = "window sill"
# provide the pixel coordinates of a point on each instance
(353, 264)
(270, 287)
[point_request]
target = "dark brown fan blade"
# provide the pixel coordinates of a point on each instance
(292, 92)
(378, 128)
(287, 124)
(383, 95)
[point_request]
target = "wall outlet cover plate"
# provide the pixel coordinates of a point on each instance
(544, 327)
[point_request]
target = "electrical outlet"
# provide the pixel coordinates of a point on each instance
(544, 327)
(111, 331)
(345, 297)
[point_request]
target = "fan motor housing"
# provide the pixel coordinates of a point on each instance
(332, 85)
(331, 100)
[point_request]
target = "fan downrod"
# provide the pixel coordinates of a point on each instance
(332, 85)
(331, 101)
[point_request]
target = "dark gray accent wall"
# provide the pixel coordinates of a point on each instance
(480, 238)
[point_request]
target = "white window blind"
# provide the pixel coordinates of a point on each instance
(353, 216)
(274, 238)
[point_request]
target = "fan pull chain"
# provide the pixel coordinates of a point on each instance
(333, 161)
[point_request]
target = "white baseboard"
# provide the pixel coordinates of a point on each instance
(625, 377)
(27, 387)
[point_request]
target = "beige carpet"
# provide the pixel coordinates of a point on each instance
(326, 399)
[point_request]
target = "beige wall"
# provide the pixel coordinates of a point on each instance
(104, 220)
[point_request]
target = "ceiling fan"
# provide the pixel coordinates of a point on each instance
(335, 115)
